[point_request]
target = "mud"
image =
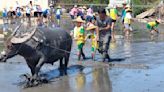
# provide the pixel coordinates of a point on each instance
(137, 67)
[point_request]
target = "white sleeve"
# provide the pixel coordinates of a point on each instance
(129, 16)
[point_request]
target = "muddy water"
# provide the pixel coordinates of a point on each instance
(137, 67)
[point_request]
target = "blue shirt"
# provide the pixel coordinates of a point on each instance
(4, 14)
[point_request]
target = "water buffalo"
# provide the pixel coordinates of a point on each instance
(40, 46)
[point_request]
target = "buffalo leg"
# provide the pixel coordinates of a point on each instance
(61, 67)
(66, 63)
(38, 66)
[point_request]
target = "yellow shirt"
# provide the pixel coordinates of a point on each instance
(113, 14)
(152, 24)
(79, 34)
(127, 19)
(94, 42)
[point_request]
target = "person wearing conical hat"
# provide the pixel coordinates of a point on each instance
(127, 22)
(58, 14)
(79, 36)
(93, 31)
(151, 26)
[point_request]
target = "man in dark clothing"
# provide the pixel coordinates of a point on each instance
(104, 26)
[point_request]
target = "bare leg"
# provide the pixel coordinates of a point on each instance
(113, 32)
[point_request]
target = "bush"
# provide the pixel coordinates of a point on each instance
(138, 10)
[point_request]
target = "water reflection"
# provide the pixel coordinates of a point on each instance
(80, 81)
(127, 47)
(101, 80)
(113, 45)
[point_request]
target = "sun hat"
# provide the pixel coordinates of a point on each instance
(91, 27)
(128, 6)
(128, 10)
(59, 7)
(79, 19)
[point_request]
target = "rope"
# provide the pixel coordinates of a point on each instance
(60, 49)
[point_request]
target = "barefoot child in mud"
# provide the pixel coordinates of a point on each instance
(92, 35)
(127, 22)
(79, 36)
(58, 15)
(152, 25)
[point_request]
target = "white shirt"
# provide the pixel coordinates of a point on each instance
(128, 15)
(58, 11)
(34, 8)
(90, 12)
(28, 10)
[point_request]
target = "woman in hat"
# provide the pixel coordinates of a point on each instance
(58, 14)
(79, 36)
(93, 31)
(127, 22)
(152, 25)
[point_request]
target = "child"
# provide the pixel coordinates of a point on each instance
(151, 26)
(93, 30)
(127, 22)
(58, 14)
(79, 36)
(28, 14)
(5, 21)
(4, 15)
(113, 16)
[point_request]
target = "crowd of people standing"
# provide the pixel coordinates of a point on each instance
(31, 10)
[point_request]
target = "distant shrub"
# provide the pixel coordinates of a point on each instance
(138, 10)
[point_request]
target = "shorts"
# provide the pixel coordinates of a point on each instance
(45, 15)
(113, 20)
(40, 14)
(149, 27)
(58, 17)
(128, 26)
(89, 18)
(93, 48)
(37, 14)
(27, 15)
(13, 13)
(72, 16)
(80, 46)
